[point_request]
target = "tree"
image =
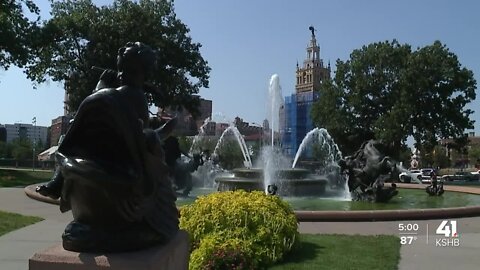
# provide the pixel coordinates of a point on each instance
(21, 149)
(16, 32)
(387, 91)
(440, 158)
(5, 150)
(203, 143)
(185, 143)
(81, 35)
(474, 156)
(230, 155)
(39, 146)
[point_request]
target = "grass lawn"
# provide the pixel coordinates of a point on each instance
(10, 221)
(343, 252)
(15, 178)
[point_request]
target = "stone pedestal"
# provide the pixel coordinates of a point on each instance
(173, 255)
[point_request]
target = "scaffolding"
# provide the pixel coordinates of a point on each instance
(296, 120)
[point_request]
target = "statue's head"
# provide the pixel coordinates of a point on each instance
(136, 60)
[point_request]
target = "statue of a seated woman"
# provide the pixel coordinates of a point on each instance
(112, 170)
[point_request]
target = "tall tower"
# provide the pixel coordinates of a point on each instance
(312, 73)
(295, 116)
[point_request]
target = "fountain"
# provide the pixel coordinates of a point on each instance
(247, 162)
(275, 173)
(199, 136)
(326, 144)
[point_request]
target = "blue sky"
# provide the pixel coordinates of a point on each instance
(246, 42)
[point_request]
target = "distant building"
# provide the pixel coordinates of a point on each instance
(209, 128)
(58, 128)
(460, 158)
(295, 118)
(28, 131)
(246, 129)
(3, 134)
(220, 128)
(205, 111)
(186, 124)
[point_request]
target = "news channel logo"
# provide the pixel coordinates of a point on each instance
(447, 234)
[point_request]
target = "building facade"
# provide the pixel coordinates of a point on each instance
(205, 109)
(3, 134)
(28, 131)
(186, 124)
(58, 128)
(462, 158)
(295, 118)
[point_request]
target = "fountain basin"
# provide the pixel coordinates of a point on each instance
(290, 182)
(257, 173)
(466, 203)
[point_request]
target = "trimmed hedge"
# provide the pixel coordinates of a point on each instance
(262, 227)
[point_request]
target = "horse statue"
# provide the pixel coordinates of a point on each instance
(366, 172)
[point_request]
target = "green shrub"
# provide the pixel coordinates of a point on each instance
(264, 224)
(215, 252)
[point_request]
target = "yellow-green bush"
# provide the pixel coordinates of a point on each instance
(215, 252)
(265, 225)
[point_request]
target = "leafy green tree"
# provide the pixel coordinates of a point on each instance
(387, 91)
(441, 89)
(22, 149)
(39, 146)
(185, 143)
(205, 143)
(81, 35)
(404, 156)
(230, 155)
(255, 150)
(440, 158)
(474, 155)
(16, 31)
(5, 150)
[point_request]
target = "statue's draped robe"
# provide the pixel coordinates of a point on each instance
(112, 178)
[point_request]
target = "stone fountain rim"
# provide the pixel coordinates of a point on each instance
(256, 180)
(360, 215)
(281, 170)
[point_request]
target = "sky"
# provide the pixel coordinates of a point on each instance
(246, 42)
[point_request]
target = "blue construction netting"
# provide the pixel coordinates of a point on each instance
(297, 120)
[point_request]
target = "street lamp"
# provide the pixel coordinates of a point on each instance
(34, 122)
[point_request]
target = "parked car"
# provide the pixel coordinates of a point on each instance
(412, 176)
(461, 176)
(476, 173)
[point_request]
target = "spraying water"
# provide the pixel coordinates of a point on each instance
(275, 102)
(329, 149)
(329, 152)
(271, 155)
(199, 136)
(241, 142)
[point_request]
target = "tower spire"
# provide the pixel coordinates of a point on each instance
(312, 72)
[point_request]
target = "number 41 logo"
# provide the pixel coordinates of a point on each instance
(448, 230)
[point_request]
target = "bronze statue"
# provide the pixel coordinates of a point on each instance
(179, 169)
(436, 187)
(366, 172)
(112, 171)
(312, 29)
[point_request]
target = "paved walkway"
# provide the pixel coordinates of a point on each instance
(18, 246)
